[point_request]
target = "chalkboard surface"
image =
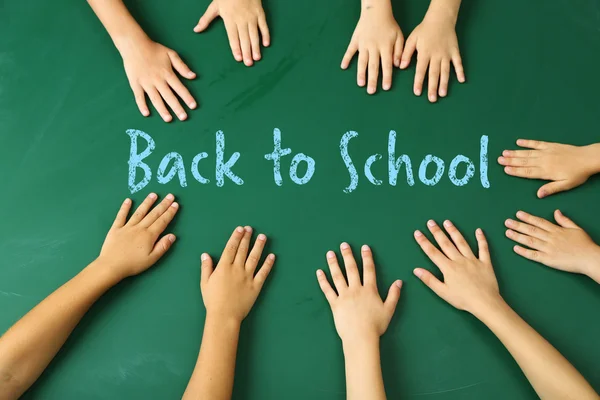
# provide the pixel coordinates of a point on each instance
(66, 107)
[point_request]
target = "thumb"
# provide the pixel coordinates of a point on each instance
(207, 268)
(564, 221)
(393, 296)
(431, 282)
(162, 246)
(211, 13)
(553, 188)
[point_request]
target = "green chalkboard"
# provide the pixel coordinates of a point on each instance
(65, 107)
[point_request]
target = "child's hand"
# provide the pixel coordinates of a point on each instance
(567, 166)
(469, 282)
(358, 311)
(230, 290)
(378, 40)
(149, 67)
(437, 46)
(132, 246)
(566, 247)
(243, 20)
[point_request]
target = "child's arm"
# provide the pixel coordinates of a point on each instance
(229, 292)
(130, 248)
(470, 285)
(436, 42)
(378, 41)
(361, 317)
(149, 66)
(566, 166)
(243, 19)
(566, 247)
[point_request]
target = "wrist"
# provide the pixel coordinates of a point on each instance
(131, 41)
(222, 321)
(103, 273)
(360, 346)
(489, 308)
(593, 155)
(443, 11)
(592, 268)
(376, 4)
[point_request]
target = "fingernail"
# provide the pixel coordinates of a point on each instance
(442, 92)
(271, 257)
(506, 153)
(418, 92)
(399, 284)
(171, 238)
(239, 229)
(501, 160)
(152, 196)
(262, 237)
(167, 117)
(175, 205)
(319, 272)
(330, 254)
(418, 273)
(193, 105)
(191, 74)
(365, 248)
(432, 97)
(386, 86)
(371, 90)
(509, 233)
(418, 233)
(479, 231)
(170, 196)
(431, 223)
(182, 116)
(361, 82)
(127, 201)
(403, 64)
(542, 194)
(145, 113)
(510, 222)
(447, 224)
(204, 257)
(559, 212)
(248, 229)
(520, 214)
(345, 246)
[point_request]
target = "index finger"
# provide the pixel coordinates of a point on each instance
(164, 220)
(434, 254)
(232, 245)
(532, 144)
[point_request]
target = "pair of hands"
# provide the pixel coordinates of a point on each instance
(152, 68)
(380, 44)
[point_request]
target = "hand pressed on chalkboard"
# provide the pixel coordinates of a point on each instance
(378, 41)
(243, 19)
(230, 290)
(566, 166)
(150, 68)
(565, 246)
(436, 43)
(469, 281)
(132, 244)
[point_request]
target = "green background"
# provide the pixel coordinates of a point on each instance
(65, 104)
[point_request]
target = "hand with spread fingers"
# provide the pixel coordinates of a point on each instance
(566, 166)
(378, 41)
(565, 246)
(245, 23)
(436, 43)
(360, 317)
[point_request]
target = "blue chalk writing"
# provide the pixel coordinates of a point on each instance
(348, 161)
(177, 168)
(135, 159)
(468, 174)
(195, 172)
(224, 169)
(483, 158)
(276, 155)
(395, 165)
(438, 173)
(369, 173)
(310, 168)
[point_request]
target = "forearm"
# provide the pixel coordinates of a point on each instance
(364, 379)
(213, 375)
(550, 374)
(27, 348)
(447, 9)
(371, 4)
(120, 25)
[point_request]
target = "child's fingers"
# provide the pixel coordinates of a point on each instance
(532, 144)
(350, 264)
(392, 298)
(336, 273)
(182, 91)
(171, 99)
(369, 275)
(211, 13)
(140, 99)
(180, 66)
(265, 270)
(519, 161)
(442, 240)
(524, 172)
(121, 218)
(242, 251)
(564, 221)
(536, 221)
(484, 249)
(430, 250)
(398, 44)
(142, 210)
(361, 71)
(350, 52)
(245, 43)
(157, 211)
(161, 247)
(164, 220)
(444, 78)
(527, 229)
(407, 53)
(528, 241)
(554, 187)
(326, 288)
(434, 79)
(458, 67)
(206, 269)
(254, 40)
(232, 245)
(158, 103)
(264, 29)
(255, 254)
(374, 62)
(459, 240)
(387, 68)
(532, 255)
(431, 282)
(234, 40)
(520, 153)
(422, 64)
